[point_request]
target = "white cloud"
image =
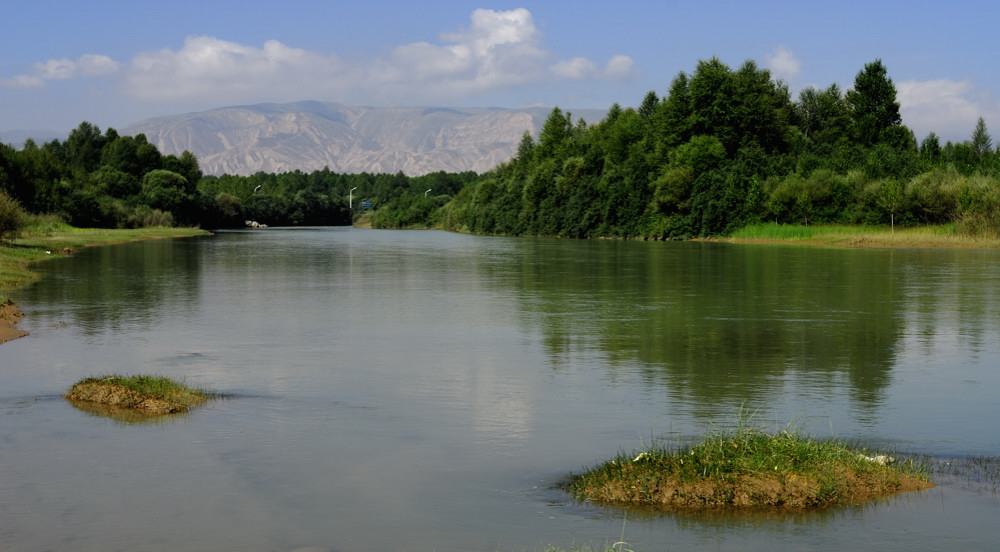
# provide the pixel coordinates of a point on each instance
(88, 65)
(93, 65)
(499, 49)
(207, 67)
(491, 29)
(618, 68)
(946, 107)
(23, 81)
(621, 68)
(576, 68)
(56, 69)
(782, 63)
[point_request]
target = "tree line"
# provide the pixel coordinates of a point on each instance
(725, 148)
(102, 179)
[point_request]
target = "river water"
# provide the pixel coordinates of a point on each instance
(423, 390)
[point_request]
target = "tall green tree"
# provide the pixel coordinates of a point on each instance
(555, 132)
(822, 116)
(165, 190)
(674, 116)
(982, 143)
(739, 108)
(873, 104)
(82, 149)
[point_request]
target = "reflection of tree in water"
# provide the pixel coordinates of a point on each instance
(715, 324)
(108, 287)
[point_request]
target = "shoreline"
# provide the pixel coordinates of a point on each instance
(943, 236)
(10, 315)
(15, 261)
(927, 237)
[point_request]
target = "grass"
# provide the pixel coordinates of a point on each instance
(153, 395)
(944, 235)
(46, 237)
(748, 468)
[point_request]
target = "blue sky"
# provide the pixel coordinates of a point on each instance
(114, 63)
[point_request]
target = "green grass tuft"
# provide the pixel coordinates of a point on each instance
(155, 394)
(748, 468)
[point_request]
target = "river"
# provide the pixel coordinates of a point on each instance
(424, 390)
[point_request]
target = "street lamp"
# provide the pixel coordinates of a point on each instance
(350, 198)
(428, 189)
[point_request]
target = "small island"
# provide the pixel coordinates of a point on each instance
(748, 469)
(147, 395)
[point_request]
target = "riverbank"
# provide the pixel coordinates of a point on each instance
(41, 243)
(9, 316)
(936, 236)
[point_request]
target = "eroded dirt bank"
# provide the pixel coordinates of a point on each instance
(10, 315)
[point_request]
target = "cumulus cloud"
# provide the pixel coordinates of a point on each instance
(499, 49)
(782, 63)
(207, 67)
(946, 107)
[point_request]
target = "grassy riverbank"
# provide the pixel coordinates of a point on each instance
(748, 468)
(944, 235)
(45, 240)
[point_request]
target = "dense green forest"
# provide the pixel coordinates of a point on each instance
(725, 148)
(722, 149)
(95, 179)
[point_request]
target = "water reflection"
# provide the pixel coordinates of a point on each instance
(107, 289)
(709, 322)
(404, 390)
(126, 416)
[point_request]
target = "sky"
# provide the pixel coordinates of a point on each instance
(113, 63)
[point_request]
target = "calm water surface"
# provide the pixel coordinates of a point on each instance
(426, 390)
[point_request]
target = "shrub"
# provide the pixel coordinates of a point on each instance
(12, 217)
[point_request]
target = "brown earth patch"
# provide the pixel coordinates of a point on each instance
(783, 491)
(10, 315)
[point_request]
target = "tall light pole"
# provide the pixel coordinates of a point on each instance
(350, 198)
(428, 189)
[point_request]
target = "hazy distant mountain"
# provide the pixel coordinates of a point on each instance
(311, 135)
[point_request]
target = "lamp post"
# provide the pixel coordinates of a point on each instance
(428, 189)
(350, 198)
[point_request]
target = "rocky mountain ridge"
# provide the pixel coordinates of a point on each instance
(311, 135)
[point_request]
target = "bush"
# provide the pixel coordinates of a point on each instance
(12, 217)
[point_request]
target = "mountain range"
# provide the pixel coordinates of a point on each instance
(311, 135)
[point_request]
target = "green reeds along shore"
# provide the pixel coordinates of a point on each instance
(748, 468)
(152, 395)
(941, 235)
